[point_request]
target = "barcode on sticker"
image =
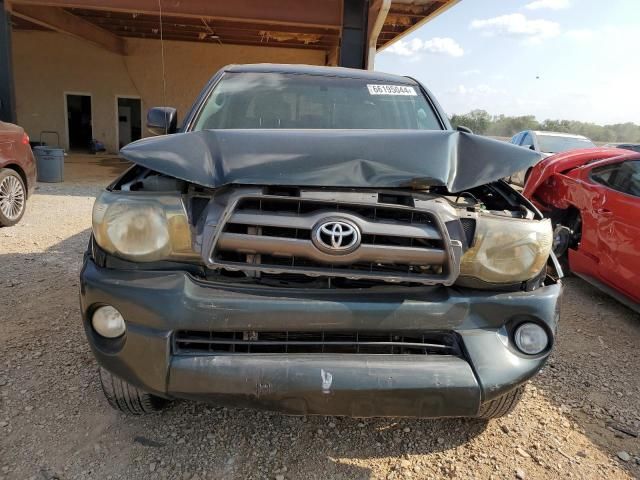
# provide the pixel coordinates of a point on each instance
(391, 90)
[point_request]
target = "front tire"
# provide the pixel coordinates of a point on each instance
(501, 406)
(126, 398)
(573, 223)
(13, 197)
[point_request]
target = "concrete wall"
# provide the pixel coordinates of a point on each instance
(47, 64)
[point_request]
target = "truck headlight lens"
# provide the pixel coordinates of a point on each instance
(531, 338)
(507, 250)
(142, 227)
(139, 231)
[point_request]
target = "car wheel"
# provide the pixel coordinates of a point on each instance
(564, 264)
(501, 406)
(573, 233)
(128, 399)
(13, 197)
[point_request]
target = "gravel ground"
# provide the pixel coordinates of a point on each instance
(55, 423)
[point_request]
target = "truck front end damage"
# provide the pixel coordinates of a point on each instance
(371, 289)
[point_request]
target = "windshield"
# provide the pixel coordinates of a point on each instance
(556, 144)
(274, 100)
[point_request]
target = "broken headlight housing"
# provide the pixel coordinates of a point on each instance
(142, 227)
(506, 250)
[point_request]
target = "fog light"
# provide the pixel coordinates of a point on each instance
(108, 322)
(531, 338)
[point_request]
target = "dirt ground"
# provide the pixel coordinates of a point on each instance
(55, 423)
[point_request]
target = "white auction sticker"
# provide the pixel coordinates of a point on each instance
(391, 90)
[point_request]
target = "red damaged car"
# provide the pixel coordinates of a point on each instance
(593, 198)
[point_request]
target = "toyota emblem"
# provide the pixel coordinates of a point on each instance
(336, 236)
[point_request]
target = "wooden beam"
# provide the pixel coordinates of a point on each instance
(233, 41)
(225, 39)
(325, 13)
(196, 23)
(438, 7)
(115, 24)
(61, 21)
(378, 10)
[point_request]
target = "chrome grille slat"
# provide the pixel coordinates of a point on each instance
(307, 222)
(291, 247)
(273, 234)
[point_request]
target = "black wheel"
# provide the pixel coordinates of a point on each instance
(564, 264)
(567, 237)
(128, 399)
(13, 197)
(501, 406)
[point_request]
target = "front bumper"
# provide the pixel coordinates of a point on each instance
(155, 304)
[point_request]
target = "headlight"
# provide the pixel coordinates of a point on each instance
(507, 250)
(142, 227)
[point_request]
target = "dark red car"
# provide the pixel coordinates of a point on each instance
(593, 198)
(17, 173)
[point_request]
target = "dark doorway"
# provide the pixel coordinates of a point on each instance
(79, 121)
(129, 120)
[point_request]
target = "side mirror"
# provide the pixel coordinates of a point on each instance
(461, 128)
(162, 120)
(531, 147)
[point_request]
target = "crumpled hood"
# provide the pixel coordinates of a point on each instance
(331, 158)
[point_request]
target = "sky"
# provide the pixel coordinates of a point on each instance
(557, 59)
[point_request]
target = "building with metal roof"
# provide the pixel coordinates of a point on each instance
(88, 69)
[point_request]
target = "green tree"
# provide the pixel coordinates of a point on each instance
(476, 120)
(483, 123)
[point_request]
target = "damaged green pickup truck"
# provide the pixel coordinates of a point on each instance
(319, 241)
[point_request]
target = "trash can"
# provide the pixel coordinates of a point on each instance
(50, 164)
(49, 160)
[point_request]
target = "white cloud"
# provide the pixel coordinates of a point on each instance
(459, 90)
(580, 34)
(517, 25)
(481, 90)
(550, 4)
(437, 45)
(579, 92)
(400, 48)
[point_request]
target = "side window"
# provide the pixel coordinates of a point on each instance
(516, 139)
(623, 177)
(527, 140)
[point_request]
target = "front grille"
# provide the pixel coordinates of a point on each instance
(271, 234)
(372, 343)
